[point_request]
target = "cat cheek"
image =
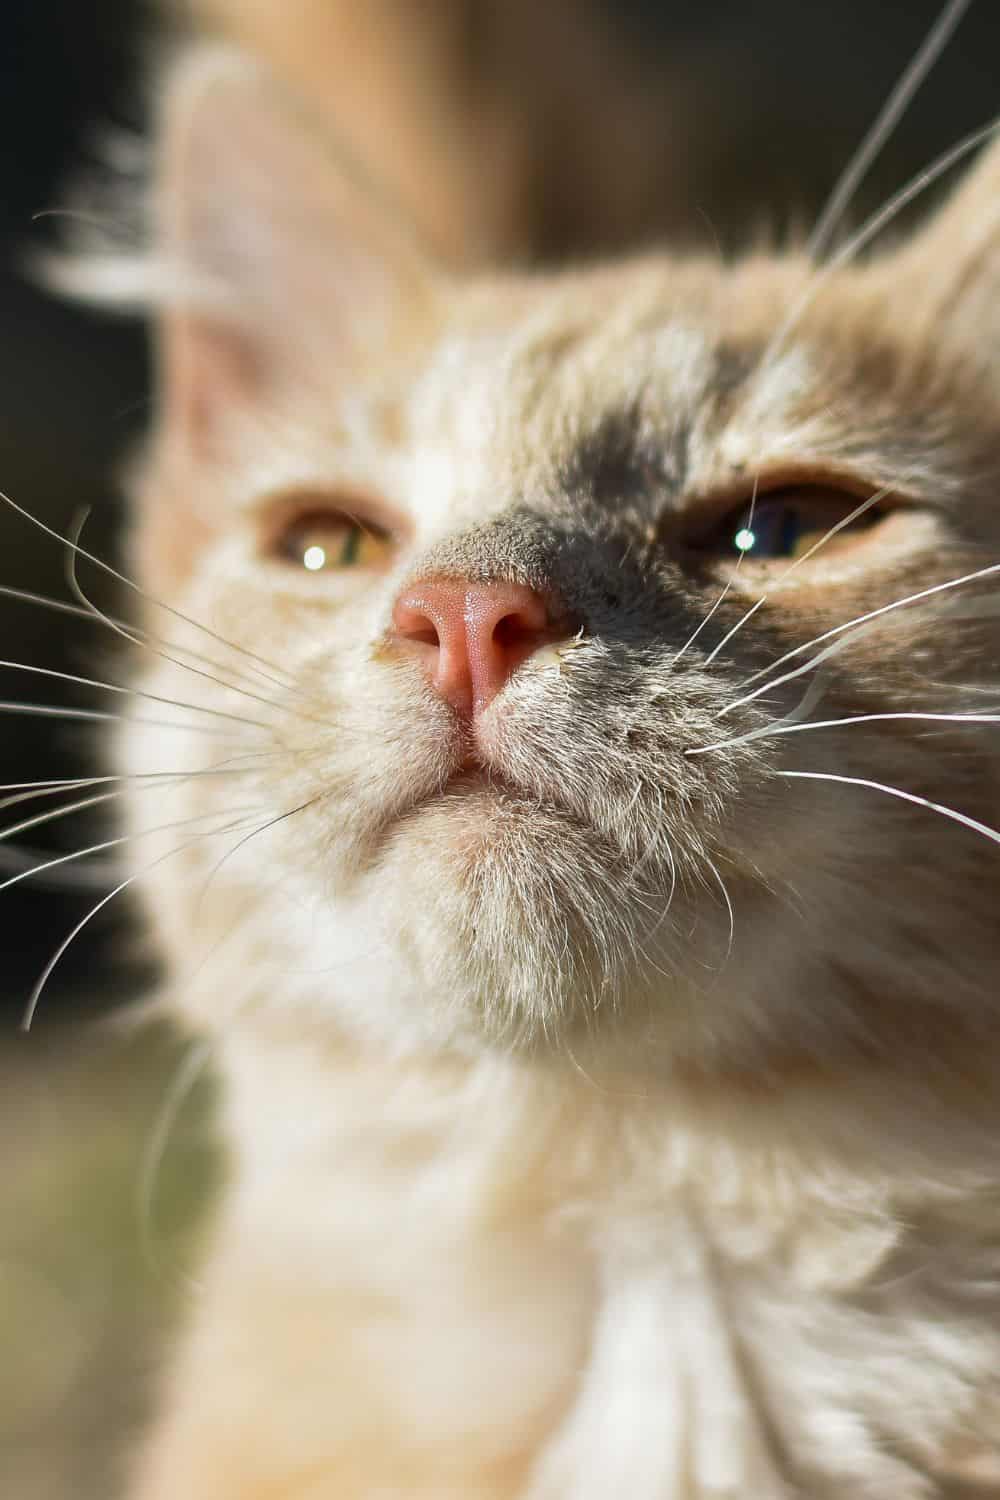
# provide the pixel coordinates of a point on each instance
(173, 535)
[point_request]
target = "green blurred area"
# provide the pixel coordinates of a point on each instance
(99, 1220)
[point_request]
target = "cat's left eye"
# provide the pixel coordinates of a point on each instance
(333, 541)
(786, 525)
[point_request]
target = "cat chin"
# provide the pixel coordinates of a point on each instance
(521, 915)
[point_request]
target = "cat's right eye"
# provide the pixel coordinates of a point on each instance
(790, 524)
(333, 541)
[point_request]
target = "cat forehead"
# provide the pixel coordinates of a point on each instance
(657, 383)
(639, 390)
(632, 406)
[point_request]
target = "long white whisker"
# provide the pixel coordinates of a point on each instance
(729, 583)
(142, 781)
(67, 810)
(37, 794)
(873, 227)
(58, 606)
(93, 715)
(812, 695)
(126, 634)
(28, 863)
(837, 630)
(885, 123)
(146, 638)
(154, 643)
(281, 817)
(45, 976)
(113, 687)
(771, 730)
(55, 813)
(894, 791)
(833, 649)
(743, 620)
(128, 583)
(58, 783)
(115, 843)
(858, 510)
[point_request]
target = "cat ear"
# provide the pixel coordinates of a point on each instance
(950, 272)
(278, 267)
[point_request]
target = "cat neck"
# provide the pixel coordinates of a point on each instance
(296, 1104)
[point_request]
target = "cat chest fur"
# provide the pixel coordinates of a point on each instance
(483, 1284)
(516, 776)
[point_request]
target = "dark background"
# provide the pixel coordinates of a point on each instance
(787, 90)
(72, 388)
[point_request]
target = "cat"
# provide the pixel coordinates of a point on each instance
(577, 845)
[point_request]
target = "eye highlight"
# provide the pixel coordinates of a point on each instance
(788, 524)
(331, 541)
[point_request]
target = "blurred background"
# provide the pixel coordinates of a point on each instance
(511, 131)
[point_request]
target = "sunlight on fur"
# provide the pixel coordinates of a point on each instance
(563, 785)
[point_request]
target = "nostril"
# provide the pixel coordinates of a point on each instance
(470, 637)
(426, 634)
(514, 630)
(415, 625)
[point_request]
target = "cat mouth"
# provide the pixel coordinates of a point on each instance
(471, 781)
(479, 779)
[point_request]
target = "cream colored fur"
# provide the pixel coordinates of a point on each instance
(628, 1129)
(481, 118)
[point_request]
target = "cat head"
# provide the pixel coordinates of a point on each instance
(580, 661)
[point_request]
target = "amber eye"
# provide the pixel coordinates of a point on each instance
(329, 541)
(787, 524)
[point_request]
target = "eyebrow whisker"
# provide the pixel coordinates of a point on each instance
(889, 116)
(870, 229)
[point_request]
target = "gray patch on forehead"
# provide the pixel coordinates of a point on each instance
(624, 463)
(638, 457)
(732, 367)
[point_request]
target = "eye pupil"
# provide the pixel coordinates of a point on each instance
(772, 529)
(790, 525)
(326, 541)
(352, 545)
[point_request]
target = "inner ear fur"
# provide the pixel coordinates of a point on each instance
(278, 258)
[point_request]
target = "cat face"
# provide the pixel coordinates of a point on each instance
(562, 689)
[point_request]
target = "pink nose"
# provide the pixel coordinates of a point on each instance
(470, 637)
